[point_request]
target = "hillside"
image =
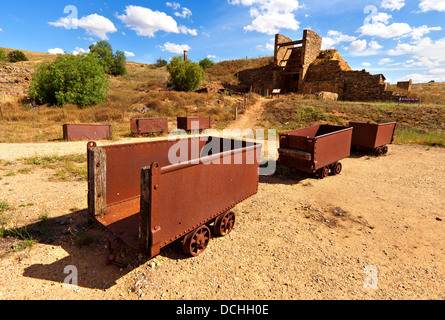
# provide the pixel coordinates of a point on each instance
(141, 93)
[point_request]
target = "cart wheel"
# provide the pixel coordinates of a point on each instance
(224, 224)
(378, 152)
(336, 168)
(196, 241)
(385, 149)
(323, 172)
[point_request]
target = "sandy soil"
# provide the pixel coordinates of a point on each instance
(376, 231)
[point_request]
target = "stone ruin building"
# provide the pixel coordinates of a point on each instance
(302, 67)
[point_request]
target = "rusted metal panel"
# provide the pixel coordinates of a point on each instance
(149, 125)
(368, 136)
(151, 202)
(318, 147)
(79, 132)
(194, 123)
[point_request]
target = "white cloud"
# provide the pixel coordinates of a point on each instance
(425, 47)
(385, 61)
(94, 25)
(432, 5)
(381, 17)
(269, 16)
(78, 51)
(419, 32)
(437, 74)
(392, 4)
(147, 22)
(1, 29)
(270, 23)
(335, 37)
(175, 48)
(185, 13)
(129, 54)
(56, 51)
(185, 30)
(363, 48)
(423, 62)
(383, 30)
(366, 64)
(173, 5)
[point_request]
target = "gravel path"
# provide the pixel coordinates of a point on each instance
(376, 231)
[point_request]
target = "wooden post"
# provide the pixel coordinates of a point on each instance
(97, 186)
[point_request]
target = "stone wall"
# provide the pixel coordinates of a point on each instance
(405, 85)
(330, 73)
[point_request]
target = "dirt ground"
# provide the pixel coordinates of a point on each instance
(376, 231)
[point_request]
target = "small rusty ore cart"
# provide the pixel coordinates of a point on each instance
(147, 202)
(316, 149)
(148, 125)
(79, 132)
(368, 136)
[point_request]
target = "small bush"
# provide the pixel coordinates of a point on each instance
(161, 63)
(2, 55)
(206, 63)
(16, 56)
(185, 75)
(70, 79)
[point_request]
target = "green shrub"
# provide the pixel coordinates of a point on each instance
(16, 56)
(161, 63)
(113, 64)
(185, 75)
(2, 55)
(70, 79)
(206, 63)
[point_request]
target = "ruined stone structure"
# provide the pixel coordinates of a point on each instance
(14, 79)
(405, 85)
(302, 67)
(292, 60)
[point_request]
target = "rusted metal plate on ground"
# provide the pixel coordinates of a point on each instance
(149, 125)
(194, 123)
(367, 135)
(80, 132)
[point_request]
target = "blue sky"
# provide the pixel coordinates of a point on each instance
(402, 39)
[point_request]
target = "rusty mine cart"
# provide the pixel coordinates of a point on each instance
(368, 136)
(316, 149)
(147, 202)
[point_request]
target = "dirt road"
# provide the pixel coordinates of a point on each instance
(376, 231)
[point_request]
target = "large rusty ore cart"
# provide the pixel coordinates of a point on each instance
(147, 202)
(316, 149)
(368, 136)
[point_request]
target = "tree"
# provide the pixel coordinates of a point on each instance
(79, 80)
(206, 63)
(113, 64)
(16, 56)
(185, 75)
(161, 63)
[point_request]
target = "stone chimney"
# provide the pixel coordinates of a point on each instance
(185, 55)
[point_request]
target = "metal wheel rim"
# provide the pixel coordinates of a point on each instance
(197, 242)
(225, 224)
